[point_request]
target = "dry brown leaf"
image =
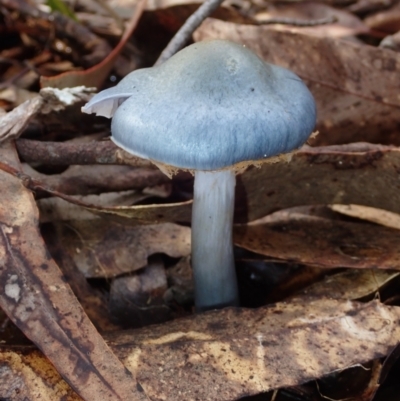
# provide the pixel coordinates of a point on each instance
(356, 86)
(324, 243)
(243, 352)
(223, 355)
(351, 284)
(56, 209)
(30, 376)
(38, 301)
(345, 24)
(385, 20)
(379, 216)
(101, 249)
(347, 174)
(134, 215)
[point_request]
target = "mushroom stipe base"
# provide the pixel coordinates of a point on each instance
(212, 248)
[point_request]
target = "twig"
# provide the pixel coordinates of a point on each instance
(78, 180)
(297, 22)
(92, 181)
(67, 153)
(187, 29)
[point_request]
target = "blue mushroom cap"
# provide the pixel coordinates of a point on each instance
(212, 105)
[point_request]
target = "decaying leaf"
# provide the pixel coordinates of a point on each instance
(323, 242)
(372, 214)
(133, 215)
(350, 284)
(223, 355)
(30, 376)
(57, 209)
(355, 86)
(347, 174)
(101, 249)
(37, 299)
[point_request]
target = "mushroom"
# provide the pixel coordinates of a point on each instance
(214, 108)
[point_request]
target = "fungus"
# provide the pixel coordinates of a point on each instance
(214, 108)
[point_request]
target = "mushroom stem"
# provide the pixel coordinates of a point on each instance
(212, 249)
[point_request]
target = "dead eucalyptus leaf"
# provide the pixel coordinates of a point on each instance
(355, 86)
(346, 174)
(37, 299)
(379, 216)
(351, 284)
(244, 352)
(30, 376)
(231, 353)
(57, 209)
(322, 242)
(101, 249)
(134, 215)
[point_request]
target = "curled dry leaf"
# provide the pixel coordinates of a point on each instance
(37, 299)
(101, 249)
(321, 242)
(355, 86)
(244, 352)
(379, 216)
(13, 123)
(142, 214)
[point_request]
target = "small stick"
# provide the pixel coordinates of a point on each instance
(187, 29)
(67, 153)
(297, 22)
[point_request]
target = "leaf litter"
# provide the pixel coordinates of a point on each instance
(124, 239)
